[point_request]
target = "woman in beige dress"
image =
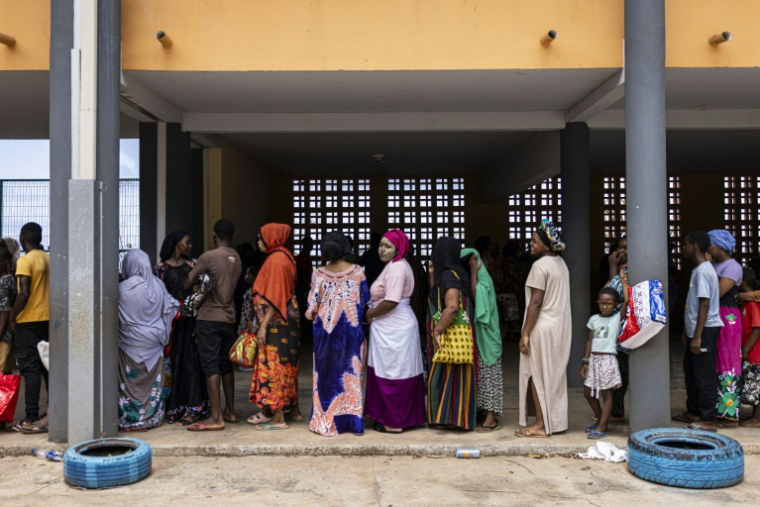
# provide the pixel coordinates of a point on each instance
(546, 338)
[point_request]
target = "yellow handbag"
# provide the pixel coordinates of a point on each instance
(457, 340)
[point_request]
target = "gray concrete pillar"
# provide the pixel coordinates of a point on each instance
(61, 42)
(179, 204)
(149, 188)
(647, 198)
(197, 201)
(576, 216)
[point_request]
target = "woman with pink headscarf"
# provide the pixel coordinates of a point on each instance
(395, 385)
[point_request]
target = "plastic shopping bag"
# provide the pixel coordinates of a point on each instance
(9, 387)
(645, 314)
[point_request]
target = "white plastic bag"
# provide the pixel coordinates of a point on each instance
(44, 349)
(605, 451)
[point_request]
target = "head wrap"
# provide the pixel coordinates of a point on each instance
(722, 239)
(170, 242)
(278, 273)
(487, 330)
(337, 242)
(550, 236)
(146, 311)
(446, 263)
(13, 247)
(400, 241)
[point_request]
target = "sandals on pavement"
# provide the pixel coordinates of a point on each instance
(529, 433)
(682, 418)
(699, 426)
(258, 418)
(198, 427)
(270, 427)
(590, 428)
(597, 435)
(488, 429)
(380, 428)
(40, 428)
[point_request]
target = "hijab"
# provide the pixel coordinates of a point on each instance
(487, 330)
(278, 273)
(170, 243)
(146, 311)
(723, 240)
(445, 263)
(549, 235)
(400, 241)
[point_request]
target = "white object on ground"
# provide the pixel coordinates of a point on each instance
(605, 451)
(44, 347)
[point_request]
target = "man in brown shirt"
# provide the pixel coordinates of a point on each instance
(215, 324)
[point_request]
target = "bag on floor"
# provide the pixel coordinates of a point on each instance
(645, 315)
(9, 387)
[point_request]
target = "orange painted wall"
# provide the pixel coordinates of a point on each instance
(28, 21)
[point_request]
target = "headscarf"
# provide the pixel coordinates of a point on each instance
(445, 264)
(723, 239)
(278, 273)
(550, 235)
(487, 331)
(335, 241)
(13, 247)
(146, 311)
(400, 241)
(170, 242)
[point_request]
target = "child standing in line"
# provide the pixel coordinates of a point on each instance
(750, 350)
(600, 367)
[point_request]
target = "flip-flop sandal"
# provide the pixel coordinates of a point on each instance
(682, 418)
(231, 421)
(596, 435)
(380, 428)
(198, 427)
(698, 426)
(301, 420)
(183, 423)
(488, 429)
(590, 428)
(255, 421)
(270, 427)
(40, 429)
(526, 433)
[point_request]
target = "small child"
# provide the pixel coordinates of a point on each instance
(750, 353)
(600, 367)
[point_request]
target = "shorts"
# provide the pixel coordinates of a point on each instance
(751, 388)
(603, 373)
(214, 339)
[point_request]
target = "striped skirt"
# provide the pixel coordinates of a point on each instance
(451, 395)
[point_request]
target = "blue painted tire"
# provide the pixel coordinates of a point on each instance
(95, 472)
(663, 456)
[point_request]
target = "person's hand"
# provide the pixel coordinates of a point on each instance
(745, 353)
(261, 337)
(584, 371)
(708, 256)
(525, 344)
(696, 345)
(431, 270)
(623, 276)
(12, 325)
(436, 339)
(368, 317)
(474, 264)
(614, 259)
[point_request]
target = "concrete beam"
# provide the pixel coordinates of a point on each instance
(530, 163)
(716, 119)
(226, 123)
(143, 99)
(598, 100)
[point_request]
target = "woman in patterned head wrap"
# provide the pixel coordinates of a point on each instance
(728, 359)
(546, 337)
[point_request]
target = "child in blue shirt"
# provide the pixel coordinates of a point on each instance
(600, 367)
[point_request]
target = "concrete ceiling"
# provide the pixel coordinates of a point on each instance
(420, 153)
(389, 91)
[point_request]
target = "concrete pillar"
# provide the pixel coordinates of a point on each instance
(148, 188)
(92, 218)
(576, 216)
(647, 198)
(61, 42)
(179, 203)
(197, 201)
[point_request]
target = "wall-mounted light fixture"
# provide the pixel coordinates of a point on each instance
(7, 40)
(720, 38)
(164, 39)
(548, 38)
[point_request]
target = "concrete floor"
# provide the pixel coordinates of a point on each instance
(369, 481)
(242, 440)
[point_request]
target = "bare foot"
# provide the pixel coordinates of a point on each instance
(230, 417)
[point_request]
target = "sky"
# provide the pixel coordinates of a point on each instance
(30, 159)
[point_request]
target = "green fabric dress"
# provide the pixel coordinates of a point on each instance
(486, 317)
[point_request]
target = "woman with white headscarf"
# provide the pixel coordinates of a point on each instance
(146, 311)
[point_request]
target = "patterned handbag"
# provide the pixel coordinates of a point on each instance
(457, 339)
(243, 352)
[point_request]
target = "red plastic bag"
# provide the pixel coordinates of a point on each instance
(9, 387)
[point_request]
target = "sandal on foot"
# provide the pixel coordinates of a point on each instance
(590, 428)
(683, 418)
(270, 427)
(257, 419)
(700, 427)
(488, 429)
(380, 428)
(528, 433)
(198, 427)
(596, 435)
(183, 423)
(40, 428)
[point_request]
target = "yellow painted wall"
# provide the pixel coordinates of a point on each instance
(28, 21)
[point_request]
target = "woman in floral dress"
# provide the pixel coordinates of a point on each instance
(336, 307)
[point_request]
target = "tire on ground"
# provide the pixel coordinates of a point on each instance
(686, 458)
(132, 462)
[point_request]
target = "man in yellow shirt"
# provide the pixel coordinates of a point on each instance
(29, 317)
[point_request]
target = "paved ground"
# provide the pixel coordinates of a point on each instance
(368, 481)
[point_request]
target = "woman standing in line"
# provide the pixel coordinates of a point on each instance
(395, 384)
(188, 399)
(274, 387)
(488, 336)
(336, 302)
(452, 387)
(146, 311)
(728, 358)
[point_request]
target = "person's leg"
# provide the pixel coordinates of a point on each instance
(706, 379)
(618, 395)
(213, 384)
(31, 368)
(692, 389)
(606, 412)
(225, 368)
(538, 426)
(593, 403)
(209, 343)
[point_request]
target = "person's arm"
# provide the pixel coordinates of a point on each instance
(587, 355)
(449, 313)
(531, 317)
(751, 341)
(725, 285)
(614, 260)
(200, 267)
(696, 342)
(745, 297)
(261, 335)
(624, 285)
(384, 308)
(4, 320)
(431, 273)
(22, 298)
